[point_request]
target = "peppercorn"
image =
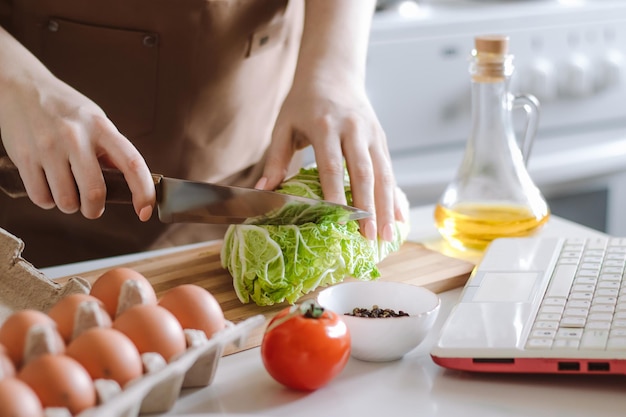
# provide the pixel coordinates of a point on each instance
(376, 312)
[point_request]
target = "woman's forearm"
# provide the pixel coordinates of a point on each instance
(335, 39)
(18, 66)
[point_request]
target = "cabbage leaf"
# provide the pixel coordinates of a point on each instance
(275, 263)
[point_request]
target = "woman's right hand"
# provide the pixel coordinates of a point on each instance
(58, 139)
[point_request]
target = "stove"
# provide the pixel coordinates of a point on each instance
(570, 54)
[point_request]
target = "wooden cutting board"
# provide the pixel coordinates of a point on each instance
(413, 263)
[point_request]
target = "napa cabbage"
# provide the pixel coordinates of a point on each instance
(275, 263)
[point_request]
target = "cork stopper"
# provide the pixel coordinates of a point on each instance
(491, 60)
(492, 44)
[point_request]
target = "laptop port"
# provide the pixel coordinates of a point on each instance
(493, 360)
(598, 366)
(569, 366)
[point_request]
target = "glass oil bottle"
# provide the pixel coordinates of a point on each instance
(493, 194)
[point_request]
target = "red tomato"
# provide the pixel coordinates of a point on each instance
(305, 346)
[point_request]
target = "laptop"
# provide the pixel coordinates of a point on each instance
(541, 305)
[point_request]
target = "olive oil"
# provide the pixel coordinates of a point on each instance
(475, 225)
(492, 194)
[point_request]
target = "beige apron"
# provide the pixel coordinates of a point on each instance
(196, 85)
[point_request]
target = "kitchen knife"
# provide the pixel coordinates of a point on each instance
(182, 201)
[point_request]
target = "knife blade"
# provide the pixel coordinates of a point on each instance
(183, 201)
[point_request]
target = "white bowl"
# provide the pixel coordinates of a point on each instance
(383, 339)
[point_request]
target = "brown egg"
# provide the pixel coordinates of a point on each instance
(17, 399)
(152, 329)
(108, 288)
(107, 354)
(14, 332)
(64, 313)
(7, 367)
(60, 381)
(195, 308)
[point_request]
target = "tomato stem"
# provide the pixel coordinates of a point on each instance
(309, 309)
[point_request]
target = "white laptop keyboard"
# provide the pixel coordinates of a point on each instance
(585, 304)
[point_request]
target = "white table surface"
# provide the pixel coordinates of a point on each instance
(412, 386)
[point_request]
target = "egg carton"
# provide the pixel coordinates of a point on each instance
(24, 286)
(157, 390)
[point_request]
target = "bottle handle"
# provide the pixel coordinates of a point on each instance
(530, 105)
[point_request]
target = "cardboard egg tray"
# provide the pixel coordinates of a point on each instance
(158, 390)
(23, 286)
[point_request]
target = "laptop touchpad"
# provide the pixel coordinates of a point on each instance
(506, 287)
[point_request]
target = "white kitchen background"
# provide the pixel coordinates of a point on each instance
(570, 54)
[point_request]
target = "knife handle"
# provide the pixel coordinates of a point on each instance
(117, 187)
(10, 180)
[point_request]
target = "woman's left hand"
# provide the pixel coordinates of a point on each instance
(338, 120)
(328, 108)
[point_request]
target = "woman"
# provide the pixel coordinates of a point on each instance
(209, 90)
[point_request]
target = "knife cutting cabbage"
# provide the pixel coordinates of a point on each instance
(271, 264)
(182, 201)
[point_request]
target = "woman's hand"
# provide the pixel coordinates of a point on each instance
(339, 122)
(327, 107)
(58, 138)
